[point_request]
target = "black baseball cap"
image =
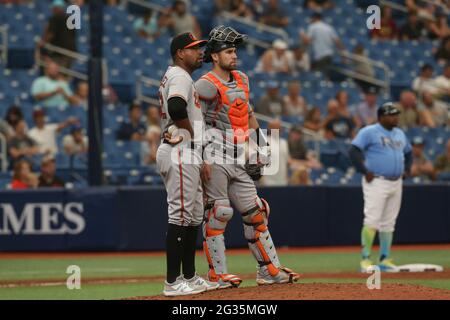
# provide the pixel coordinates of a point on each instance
(185, 41)
(387, 109)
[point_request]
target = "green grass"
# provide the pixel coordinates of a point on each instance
(136, 266)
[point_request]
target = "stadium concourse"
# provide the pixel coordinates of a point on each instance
(132, 52)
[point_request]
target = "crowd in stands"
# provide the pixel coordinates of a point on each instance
(425, 103)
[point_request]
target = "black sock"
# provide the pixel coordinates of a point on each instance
(189, 252)
(175, 242)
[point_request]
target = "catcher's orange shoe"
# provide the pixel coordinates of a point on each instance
(225, 280)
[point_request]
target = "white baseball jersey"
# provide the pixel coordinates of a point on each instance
(177, 82)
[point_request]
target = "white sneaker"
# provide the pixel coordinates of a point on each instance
(180, 288)
(198, 282)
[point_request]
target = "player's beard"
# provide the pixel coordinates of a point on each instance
(227, 67)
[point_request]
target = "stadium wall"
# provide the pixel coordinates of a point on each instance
(134, 218)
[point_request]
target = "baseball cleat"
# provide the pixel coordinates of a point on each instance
(285, 275)
(365, 265)
(198, 282)
(224, 280)
(180, 288)
(387, 265)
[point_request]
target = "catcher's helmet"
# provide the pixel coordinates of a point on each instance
(221, 38)
(387, 108)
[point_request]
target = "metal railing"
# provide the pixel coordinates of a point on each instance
(403, 8)
(3, 152)
(144, 4)
(257, 25)
(351, 57)
(146, 81)
(82, 58)
(4, 44)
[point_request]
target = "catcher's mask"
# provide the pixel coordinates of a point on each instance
(221, 38)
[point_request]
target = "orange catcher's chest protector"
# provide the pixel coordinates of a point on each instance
(232, 108)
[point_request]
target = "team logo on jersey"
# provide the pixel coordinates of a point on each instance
(394, 144)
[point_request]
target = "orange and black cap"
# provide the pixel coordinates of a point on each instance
(185, 41)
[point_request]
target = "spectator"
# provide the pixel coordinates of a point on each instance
(342, 99)
(133, 129)
(301, 157)
(300, 61)
(21, 145)
(413, 29)
(442, 54)
(313, 122)
(300, 177)
(13, 116)
(51, 90)
(75, 143)
(23, 177)
(5, 129)
(257, 7)
(438, 29)
(435, 112)
(442, 163)
(425, 81)
(281, 160)
(45, 134)
(48, 177)
(442, 83)
(56, 33)
(147, 26)
(153, 136)
(363, 67)
(409, 115)
(274, 15)
(323, 38)
(388, 28)
(278, 59)
(337, 125)
(421, 166)
(182, 21)
(423, 9)
(240, 9)
(318, 5)
(81, 97)
(366, 111)
(271, 104)
(294, 103)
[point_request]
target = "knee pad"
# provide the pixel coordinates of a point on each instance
(217, 215)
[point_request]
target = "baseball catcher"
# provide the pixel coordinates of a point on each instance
(224, 96)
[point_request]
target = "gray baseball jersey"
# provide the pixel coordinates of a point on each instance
(181, 178)
(228, 181)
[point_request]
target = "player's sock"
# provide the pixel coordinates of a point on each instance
(385, 244)
(189, 252)
(175, 241)
(367, 237)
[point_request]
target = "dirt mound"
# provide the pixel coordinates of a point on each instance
(319, 291)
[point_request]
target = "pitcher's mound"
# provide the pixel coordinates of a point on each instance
(318, 291)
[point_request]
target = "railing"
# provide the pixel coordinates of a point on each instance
(144, 4)
(257, 25)
(3, 152)
(74, 55)
(4, 44)
(350, 57)
(146, 81)
(403, 8)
